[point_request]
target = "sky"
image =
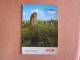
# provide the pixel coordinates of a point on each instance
(44, 12)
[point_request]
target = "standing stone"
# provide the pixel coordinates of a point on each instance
(33, 19)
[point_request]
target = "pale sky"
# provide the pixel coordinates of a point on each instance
(44, 12)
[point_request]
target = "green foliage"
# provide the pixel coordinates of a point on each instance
(42, 35)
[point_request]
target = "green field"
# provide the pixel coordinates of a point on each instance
(44, 34)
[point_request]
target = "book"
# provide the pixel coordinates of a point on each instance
(39, 29)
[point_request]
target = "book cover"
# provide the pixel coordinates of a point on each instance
(39, 29)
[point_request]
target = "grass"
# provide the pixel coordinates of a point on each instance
(42, 35)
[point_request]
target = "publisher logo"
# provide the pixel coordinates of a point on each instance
(50, 50)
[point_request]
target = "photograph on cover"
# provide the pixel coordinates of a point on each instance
(39, 29)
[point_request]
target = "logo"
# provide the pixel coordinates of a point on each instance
(50, 50)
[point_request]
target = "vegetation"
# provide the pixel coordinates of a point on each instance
(44, 34)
